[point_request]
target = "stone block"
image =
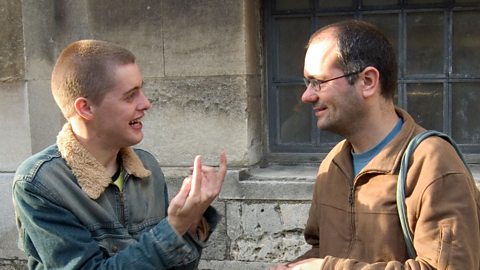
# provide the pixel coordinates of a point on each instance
(135, 25)
(46, 119)
(11, 50)
(217, 243)
(8, 229)
(15, 144)
(258, 232)
(13, 264)
(294, 216)
(273, 185)
(40, 43)
(202, 115)
(204, 37)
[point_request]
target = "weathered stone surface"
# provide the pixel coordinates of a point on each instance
(46, 119)
(294, 184)
(217, 248)
(136, 25)
(204, 37)
(40, 43)
(15, 138)
(13, 264)
(265, 232)
(8, 230)
(196, 115)
(11, 47)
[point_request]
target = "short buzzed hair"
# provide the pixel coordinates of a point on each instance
(361, 44)
(84, 69)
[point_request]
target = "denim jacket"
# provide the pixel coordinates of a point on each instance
(70, 216)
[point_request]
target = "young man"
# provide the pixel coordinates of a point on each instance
(91, 201)
(351, 74)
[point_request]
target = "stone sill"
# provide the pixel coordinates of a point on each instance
(282, 183)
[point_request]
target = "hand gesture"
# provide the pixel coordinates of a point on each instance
(196, 194)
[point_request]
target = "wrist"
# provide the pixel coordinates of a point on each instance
(179, 228)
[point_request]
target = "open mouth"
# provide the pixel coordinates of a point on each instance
(137, 123)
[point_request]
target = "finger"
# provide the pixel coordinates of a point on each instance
(223, 165)
(179, 200)
(197, 175)
(187, 184)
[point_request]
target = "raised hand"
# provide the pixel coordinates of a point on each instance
(197, 192)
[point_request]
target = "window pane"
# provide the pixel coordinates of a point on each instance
(335, 3)
(425, 43)
(376, 3)
(292, 4)
(329, 138)
(425, 104)
(293, 34)
(426, 1)
(325, 20)
(388, 24)
(466, 120)
(295, 116)
(466, 43)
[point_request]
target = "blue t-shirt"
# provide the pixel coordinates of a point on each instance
(361, 160)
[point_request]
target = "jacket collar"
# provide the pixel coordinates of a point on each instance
(90, 174)
(389, 158)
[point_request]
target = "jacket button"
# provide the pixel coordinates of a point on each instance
(115, 249)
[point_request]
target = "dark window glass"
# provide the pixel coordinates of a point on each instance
(292, 36)
(379, 3)
(426, 1)
(295, 116)
(425, 104)
(335, 4)
(292, 4)
(425, 44)
(466, 111)
(466, 43)
(388, 24)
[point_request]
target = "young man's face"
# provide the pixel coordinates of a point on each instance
(118, 118)
(336, 103)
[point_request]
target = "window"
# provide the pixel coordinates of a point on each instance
(438, 48)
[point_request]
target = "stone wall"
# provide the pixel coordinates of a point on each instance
(202, 66)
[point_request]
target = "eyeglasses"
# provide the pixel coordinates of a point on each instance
(316, 84)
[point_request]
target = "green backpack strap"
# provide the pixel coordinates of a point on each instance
(402, 177)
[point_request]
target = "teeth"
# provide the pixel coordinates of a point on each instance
(135, 121)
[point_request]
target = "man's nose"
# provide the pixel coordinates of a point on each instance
(309, 95)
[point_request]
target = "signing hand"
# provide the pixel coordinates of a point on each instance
(196, 194)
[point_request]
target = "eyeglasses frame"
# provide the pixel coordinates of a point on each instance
(316, 84)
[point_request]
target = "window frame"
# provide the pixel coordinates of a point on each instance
(306, 153)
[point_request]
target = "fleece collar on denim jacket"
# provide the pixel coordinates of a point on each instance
(91, 175)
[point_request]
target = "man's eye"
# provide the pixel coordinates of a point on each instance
(315, 83)
(130, 96)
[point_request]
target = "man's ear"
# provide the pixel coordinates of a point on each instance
(83, 107)
(370, 81)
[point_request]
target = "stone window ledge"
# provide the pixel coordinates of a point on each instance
(283, 183)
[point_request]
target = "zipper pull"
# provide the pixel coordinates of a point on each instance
(350, 197)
